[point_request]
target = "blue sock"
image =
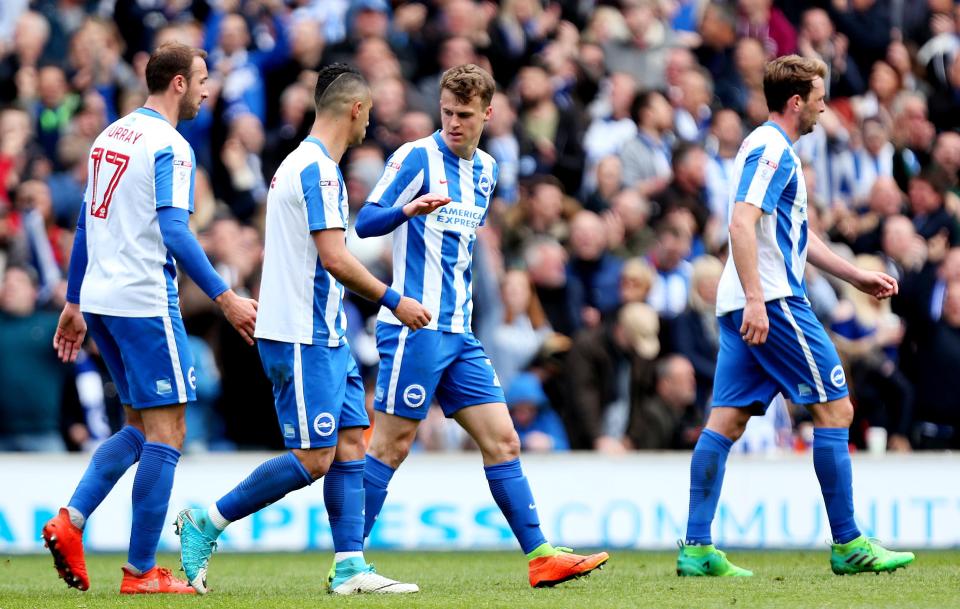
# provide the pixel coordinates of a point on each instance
(512, 493)
(706, 479)
(343, 496)
(270, 482)
(376, 478)
(109, 462)
(831, 461)
(151, 495)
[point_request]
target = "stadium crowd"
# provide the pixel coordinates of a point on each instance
(615, 128)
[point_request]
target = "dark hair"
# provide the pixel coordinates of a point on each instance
(644, 100)
(469, 81)
(337, 83)
(936, 177)
(681, 151)
(169, 61)
(790, 75)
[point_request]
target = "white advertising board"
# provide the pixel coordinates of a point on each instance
(442, 502)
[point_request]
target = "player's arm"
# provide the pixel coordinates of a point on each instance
(743, 248)
(179, 240)
(391, 203)
(174, 192)
(72, 328)
(875, 283)
(766, 171)
(339, 262)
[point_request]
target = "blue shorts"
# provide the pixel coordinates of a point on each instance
(415, 366)
(797, 360)
(148, 358)
(316, 389)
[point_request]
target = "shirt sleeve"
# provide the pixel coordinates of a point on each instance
(493, 187)
(187, 251)
(174, 176)
(766, 171)
(322, 193)
(402, 178)
(78, 258)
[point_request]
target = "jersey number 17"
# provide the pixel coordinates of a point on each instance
(120, 163)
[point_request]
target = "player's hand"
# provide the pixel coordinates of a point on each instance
(877, 284)
(240, 312)
(755, 326)
(412, 314)
(70, 332)
(421, 206)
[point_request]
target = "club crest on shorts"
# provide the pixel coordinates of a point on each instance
(414, 396)
(837, 377)
(324, 424)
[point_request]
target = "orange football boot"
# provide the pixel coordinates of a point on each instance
(546, 571)
(65, 542)
(157, 580)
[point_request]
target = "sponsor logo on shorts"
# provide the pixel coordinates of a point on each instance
(837, 377)
(379, 394)
(289, 431)
(192, 378)
(164, 386)
(803, 389)
(324, 424)
(414, 396)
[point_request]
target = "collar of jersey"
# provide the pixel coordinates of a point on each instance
(442, 145)
(314, 140)
(150, 112)
(780, 129)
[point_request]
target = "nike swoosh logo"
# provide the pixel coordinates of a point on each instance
(532, 506)
(443, 181)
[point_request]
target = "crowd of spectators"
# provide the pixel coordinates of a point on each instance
(615, 128)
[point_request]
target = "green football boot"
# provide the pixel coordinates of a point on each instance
(706, 561)
(863, 555)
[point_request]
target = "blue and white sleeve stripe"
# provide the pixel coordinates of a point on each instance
(163, 177)
(402, 178)
(766, 171)
(321, 195)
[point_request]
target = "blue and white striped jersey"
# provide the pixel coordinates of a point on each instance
(137, 165)
(767, 174)
(300, 302)
(433, 254)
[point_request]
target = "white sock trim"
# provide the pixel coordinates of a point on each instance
(216, 518)
(76, 517)
(338, 556)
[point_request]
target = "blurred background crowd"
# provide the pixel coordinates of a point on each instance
(615, 127)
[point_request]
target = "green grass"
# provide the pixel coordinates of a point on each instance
(495, 579)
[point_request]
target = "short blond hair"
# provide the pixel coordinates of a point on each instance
(790, 75)
(468, 81)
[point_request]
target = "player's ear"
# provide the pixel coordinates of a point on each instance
(356, 110)
(488, 113)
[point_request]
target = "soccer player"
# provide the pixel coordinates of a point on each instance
(122, 285)
(770, 340)
(301, 332)
(433, 251)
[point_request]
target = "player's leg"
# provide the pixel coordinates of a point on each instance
(63, 534)
(303, 379)
(390, 444)
(851, 552)
(410, 367)
(470, 392)
(161, 380)
(740, 385)
(343, 495)
(832, 415)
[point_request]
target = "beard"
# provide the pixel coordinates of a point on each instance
(187, 110)
(807, 123)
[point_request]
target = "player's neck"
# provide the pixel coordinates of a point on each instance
(333, 138)
(168, 109)
(790, 127)
(464, 152)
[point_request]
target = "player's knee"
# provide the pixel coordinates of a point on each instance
(394, 454)
(506, 447)
(316, 461)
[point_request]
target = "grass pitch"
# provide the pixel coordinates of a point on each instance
(498, 579)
